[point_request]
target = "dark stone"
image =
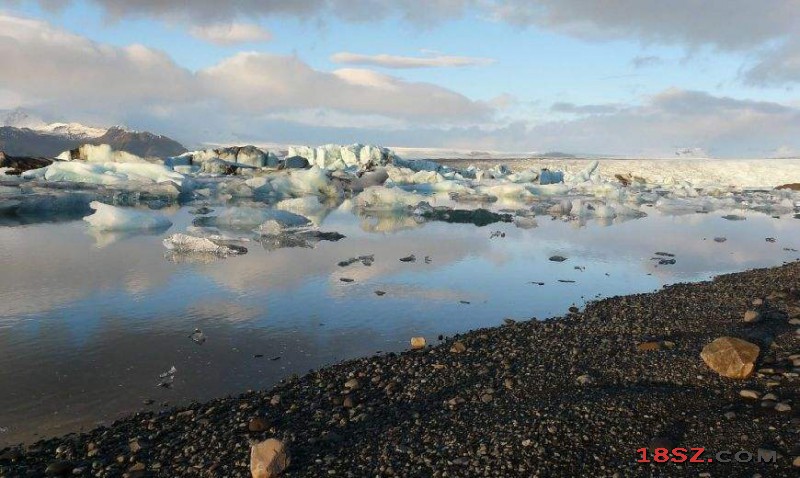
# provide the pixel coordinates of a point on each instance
(295, 162)
(478, 217)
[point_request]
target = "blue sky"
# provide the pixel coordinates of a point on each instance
(636, 68)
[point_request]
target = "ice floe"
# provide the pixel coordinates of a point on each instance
(187, 244)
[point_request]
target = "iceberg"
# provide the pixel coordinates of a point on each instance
(378, 198)
(105, 173)
(334, 156)
(236, 156)
(304, 182)
(112, 218)
(101, 153)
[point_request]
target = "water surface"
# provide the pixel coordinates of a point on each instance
(89, 321)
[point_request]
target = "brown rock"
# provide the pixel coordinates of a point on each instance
(458, 347)
(268, 459)
(418, 343)
(751, 316)
(731, 357)
(258, 424)
(791, 186)
(648, 346)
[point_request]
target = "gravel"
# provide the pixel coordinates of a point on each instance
(570, 396)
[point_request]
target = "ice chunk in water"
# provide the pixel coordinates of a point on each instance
(105, 173)
(112, 218)
(186, 244)
(308, 182)
(387, 199)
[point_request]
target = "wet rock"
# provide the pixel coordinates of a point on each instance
(268, 459)
(734, 217)
(557, 258)
(380, 293)
(411, 258)
(731, 357)
(720, 239)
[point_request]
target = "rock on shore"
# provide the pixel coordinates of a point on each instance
(572, 396)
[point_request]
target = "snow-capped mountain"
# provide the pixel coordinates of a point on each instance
(20, 118)
(25, 134)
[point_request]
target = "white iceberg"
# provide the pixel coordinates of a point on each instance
(101, 153)
(334, 156)
(112, 218)
(378, 198)
(105, 173)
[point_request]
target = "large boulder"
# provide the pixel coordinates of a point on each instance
(731, 357)
(268, 459)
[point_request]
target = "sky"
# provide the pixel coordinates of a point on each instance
(617, 77)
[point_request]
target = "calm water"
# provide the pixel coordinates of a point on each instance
(88, 322)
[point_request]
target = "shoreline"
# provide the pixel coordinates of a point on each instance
(569, 396)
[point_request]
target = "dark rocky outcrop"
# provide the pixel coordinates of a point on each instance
(30, 143)
(20, 164)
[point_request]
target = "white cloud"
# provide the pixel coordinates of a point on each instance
(64, 72)
(226, 34)
(252, 82)
(50, 64)
(764, 30)
(400, 62)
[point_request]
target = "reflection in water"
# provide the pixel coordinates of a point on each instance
(88, 324)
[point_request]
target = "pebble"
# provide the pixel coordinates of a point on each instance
(751, 316)
(751, 394)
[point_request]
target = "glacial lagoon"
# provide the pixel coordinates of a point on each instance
(90, 319)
